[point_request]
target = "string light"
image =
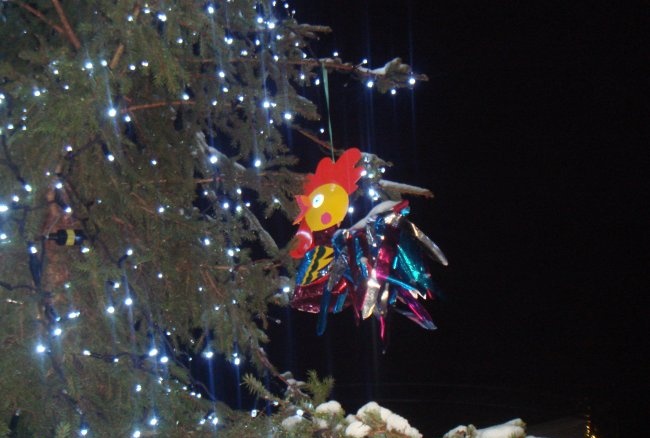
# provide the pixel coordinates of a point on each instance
(153, 352)
(153, 421)
(86, 352)
(393, 91)
(110, 309)
(370, 83)
(411, 80)
(40, 348)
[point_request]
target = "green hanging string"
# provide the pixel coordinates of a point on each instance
(327, 104)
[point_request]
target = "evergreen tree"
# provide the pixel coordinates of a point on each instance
(142, 149)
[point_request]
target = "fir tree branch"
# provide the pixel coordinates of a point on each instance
(120, 48)
(38, 14)
(66, 25)
(405, 188)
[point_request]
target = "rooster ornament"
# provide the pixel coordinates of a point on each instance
(375, 266)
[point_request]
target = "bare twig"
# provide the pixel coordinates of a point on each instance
(66, 25)
(156, 105)
(32, 10)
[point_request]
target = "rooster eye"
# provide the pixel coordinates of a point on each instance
(318, 200)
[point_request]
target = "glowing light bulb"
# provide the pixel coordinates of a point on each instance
(153, 352)
(317, 81)
(260, 20)
(57, 331)
(86, 353)
(4, 208)
(300, 412)
(215, 421)
(186, 96)
(164, 359)
(288, 116)
(153, 421)
(110, 157)
(266, 104)
(370, 83)
(33, 250)
(136, 434)
(393, 91)
(231, 252)
(411, 81)
(270, 25)
(112, 112)
(162, 17)
(128, 301)
(221, 74)
(350, 209)
(364, 61)
(85, 250)
(210, 9)
(110, 309)
(129, 252)
(28, 188)
(88, 65)
(161, 209)
(138, 388)
(58, 185)
(83, 432)
(40, 348)
(257, 162)
(208, 354)
(3, 236)
(74, 314)
(154, 162)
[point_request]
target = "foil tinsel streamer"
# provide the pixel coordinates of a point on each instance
(375, 266)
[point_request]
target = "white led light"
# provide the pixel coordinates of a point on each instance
(214, 102)
(257, 163)
(74, 314)
(240, 98)
(221, 74)
(37, 92)
(27, 188)
(110, 157)
(132, 67)
(162, 17)
(83, 432)
(138, 388)
(68, 210)
(210, 9)
(129, 252)
(317, 81)
(154, 162)
(179, 40)
(364, 61)
(208, 354)
(237, 361)
(288, 116)
(228, 40)
(266, 104)
(370, 84)
(110, 309)
(112, 112)
(164, 359)
(3, 236)
(231, 252)
(85, 250)
(224, 89)
(350, 209)
(302, 76)
(88, 65)
(215, 421)
(153, 352)
(57, 331)
(129, 18)
(335, 53)
(40, 348)
(254, 413)
(160, 275)
(86, 353)
(145, 63)
(206, 241)
(33, 250)
(103, 62)
(136, 434)
(286, 289)
(4, 208)
(260, 20)
(58, 185)
(225, 205)
(161, 209)
(244, 52)
(15, 198)
(128, 301)
(276, 58)
(412, 81)
(153, 421)
(270, 25)
(300, 412)
(186, 96)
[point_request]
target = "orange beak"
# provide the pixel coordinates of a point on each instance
(303, 205)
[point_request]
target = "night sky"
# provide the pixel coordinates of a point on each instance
(529, 134)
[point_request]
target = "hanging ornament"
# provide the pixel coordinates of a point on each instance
(376, 266)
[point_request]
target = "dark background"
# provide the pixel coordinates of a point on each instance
(529, 133)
